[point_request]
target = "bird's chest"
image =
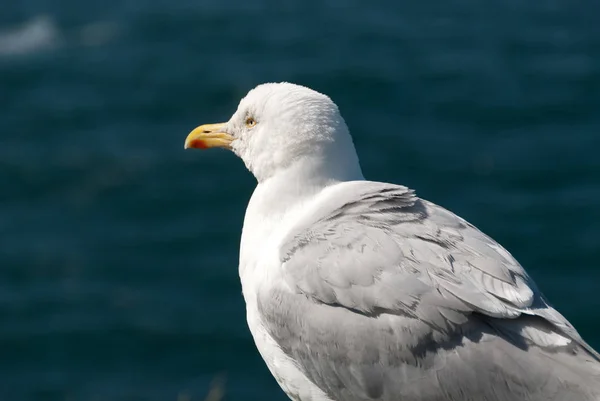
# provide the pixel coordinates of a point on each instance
(260, 267)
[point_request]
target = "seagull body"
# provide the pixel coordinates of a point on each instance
(358, 290)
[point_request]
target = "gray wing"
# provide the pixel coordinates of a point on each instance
(393, 297)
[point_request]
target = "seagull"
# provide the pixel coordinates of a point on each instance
(359, 290)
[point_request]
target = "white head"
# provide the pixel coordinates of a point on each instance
(282, 126)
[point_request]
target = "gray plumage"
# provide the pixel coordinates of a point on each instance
(394, 298)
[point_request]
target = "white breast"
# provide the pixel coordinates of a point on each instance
(268, 219)
(259, 266)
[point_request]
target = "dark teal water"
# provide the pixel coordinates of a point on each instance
(118, 263)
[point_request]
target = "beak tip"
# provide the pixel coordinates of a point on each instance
(195, 143)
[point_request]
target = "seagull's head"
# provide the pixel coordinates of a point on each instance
(278, 126)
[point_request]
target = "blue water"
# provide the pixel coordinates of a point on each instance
(118, 263)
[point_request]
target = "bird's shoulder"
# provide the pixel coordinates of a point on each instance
(375, 248)
(370, 236)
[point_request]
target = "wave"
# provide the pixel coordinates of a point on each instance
(42, 33)
(39, 33)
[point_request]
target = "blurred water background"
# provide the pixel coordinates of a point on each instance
(118, 260)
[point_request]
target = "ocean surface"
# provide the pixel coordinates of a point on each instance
(118, 257)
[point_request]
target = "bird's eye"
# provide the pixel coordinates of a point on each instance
(250, 122)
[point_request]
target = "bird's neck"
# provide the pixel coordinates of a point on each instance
(300, 182)
(280, 200)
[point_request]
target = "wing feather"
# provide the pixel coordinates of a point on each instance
(388, 288)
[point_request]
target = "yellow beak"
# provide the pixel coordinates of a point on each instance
(208, 136)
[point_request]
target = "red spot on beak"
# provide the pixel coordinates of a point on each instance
(198, 143)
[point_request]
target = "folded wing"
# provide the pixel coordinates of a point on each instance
(389, 289)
